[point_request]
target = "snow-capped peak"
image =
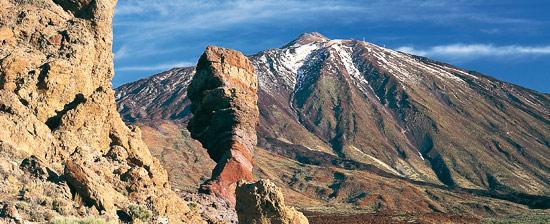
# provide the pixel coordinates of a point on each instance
(307, 38)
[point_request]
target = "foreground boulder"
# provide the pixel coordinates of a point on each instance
(263, 203)
(223, 95)
(58, 116)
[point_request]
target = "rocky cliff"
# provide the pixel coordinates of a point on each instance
(223, 96)
(64, 150)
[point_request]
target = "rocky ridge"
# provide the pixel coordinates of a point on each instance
(64, 150)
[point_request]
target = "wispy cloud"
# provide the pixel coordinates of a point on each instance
(121, 53)
(164, 18)
(171, 16)
(152, 28)
(462, 51)
(239, 10)
(157, 67)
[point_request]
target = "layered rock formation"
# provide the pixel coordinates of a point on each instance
(223, 95)
(263, 203)
(63, 148)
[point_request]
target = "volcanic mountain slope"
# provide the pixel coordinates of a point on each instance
(357, 106)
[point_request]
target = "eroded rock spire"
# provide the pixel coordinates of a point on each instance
(223, 97)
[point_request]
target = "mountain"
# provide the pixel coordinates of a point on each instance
(348, 122)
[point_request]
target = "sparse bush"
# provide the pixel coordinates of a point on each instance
(140, 213)
(192, 206)
(60, 206)
(69, 220)
(530, 219)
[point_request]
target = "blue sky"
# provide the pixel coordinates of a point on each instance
(506, 39)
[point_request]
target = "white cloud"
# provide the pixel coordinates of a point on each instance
(122, 52)
(148, 28)
(164, 17)
(157, 67)
(477, 50)
(412, 50)
(146, 20)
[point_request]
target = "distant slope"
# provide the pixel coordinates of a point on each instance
(358, 106)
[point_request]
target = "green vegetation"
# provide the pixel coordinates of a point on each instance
(139, 213)
(533, 219)
(70, 220)
(192, 206)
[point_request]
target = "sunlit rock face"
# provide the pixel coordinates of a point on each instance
(62, 140)
(223, 95)
(263, 203)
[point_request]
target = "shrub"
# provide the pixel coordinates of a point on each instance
(69, 220)
(140, 213)
(192, 206)
(528, 219)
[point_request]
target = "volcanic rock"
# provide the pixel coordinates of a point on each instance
(263, 203)
(57, 111)
(10, 211)
(223, 95)
(37, 168)
(350, 124)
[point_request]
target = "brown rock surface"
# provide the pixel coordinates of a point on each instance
(263, 203)
(10, 212)
(58, 115)
(223, 95)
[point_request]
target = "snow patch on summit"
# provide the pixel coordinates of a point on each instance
(280, 67)
(294, 58)
(345, 54)
(407, 68)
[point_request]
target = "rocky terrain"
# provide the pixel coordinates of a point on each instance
(350, 126)
(66, 156)
(64, 150)
(263, 203)
(223, 96)
(350, 130)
